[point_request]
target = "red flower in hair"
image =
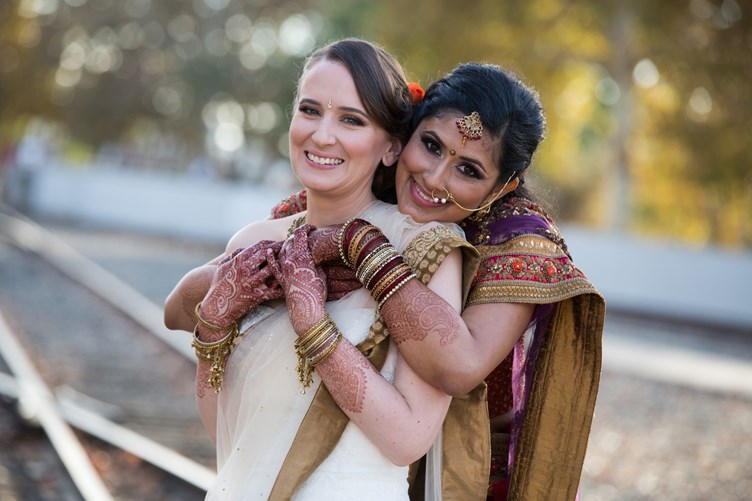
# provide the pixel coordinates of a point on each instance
(416, 92)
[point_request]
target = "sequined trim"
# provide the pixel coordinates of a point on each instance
(526, 269)
(293, 204)
(427, 251)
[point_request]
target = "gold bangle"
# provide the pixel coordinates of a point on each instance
(383, 264)
(389, 279)
(372, 258)
(314, 361)
(313, 331)
(340, 241)
(208, 324)
(355, 242)
(396, 288)
(387, 259)
(323, 334)
(317, 342)
(217, 353)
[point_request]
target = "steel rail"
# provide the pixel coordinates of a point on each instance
(28, 235)
(37, 398)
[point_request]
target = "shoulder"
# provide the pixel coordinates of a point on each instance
(266, 229)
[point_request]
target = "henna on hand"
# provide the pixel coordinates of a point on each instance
(346, 377)
(340, 281)
(324, 244)
(240, 283)
(303, 284)
(415, 312)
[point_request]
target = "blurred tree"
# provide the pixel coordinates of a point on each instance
(648, 104)
(168, 74)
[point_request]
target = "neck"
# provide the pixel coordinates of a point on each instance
(325, 211)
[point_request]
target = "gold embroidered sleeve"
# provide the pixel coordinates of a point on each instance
(526, 269)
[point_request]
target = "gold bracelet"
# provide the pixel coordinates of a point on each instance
(372, 258)
(378, 269)
(381, 265)
(310, 341)
(355, 242)
(313, 331)
(208, 324)
(217, 353)
(389, 279)
(340, 241)
(317, 342)
(306, 364)
(396, 288)
(314, 361)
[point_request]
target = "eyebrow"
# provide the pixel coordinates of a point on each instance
(471, 160)
(343, 108)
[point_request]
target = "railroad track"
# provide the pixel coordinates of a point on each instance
(96, 398)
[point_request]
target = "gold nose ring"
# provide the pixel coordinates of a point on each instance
(443, 200)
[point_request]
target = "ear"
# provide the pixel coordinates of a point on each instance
(494, 196)
(510, 187)
(391, 155)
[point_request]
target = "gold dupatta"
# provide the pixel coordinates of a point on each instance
(559, 408)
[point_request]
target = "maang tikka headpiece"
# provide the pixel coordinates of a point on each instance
(470, 127)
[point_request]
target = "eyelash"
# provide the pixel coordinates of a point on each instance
(351, 120)
(432, 147)
(347, 119)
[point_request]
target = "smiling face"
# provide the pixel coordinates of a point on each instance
(335, 147)
(428, 165)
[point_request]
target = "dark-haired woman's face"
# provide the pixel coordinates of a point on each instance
(435, 159)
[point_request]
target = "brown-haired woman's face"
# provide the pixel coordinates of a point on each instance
(435, 160)
(335, 147)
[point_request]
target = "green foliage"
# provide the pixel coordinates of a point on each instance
(648, 103)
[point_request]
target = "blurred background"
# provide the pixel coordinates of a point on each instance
(648, 103)
(168, 120)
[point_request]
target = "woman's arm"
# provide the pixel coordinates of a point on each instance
(189, 291)
(402, 418)
(452, 352)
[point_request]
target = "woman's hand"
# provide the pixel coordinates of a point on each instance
(304, 284)
(340, 281)
(323, 243)
(241, 282)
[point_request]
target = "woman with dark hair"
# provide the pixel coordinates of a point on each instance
(532, 321)
(351, 115)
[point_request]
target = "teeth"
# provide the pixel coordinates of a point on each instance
(323, 161)
(424, 196)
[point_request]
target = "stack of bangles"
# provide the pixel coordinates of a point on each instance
(215, 352)
(377, 264)
(314, 346)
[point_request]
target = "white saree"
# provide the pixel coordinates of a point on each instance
(261, 406)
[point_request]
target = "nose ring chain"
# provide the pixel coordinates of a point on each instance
(450, 198)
